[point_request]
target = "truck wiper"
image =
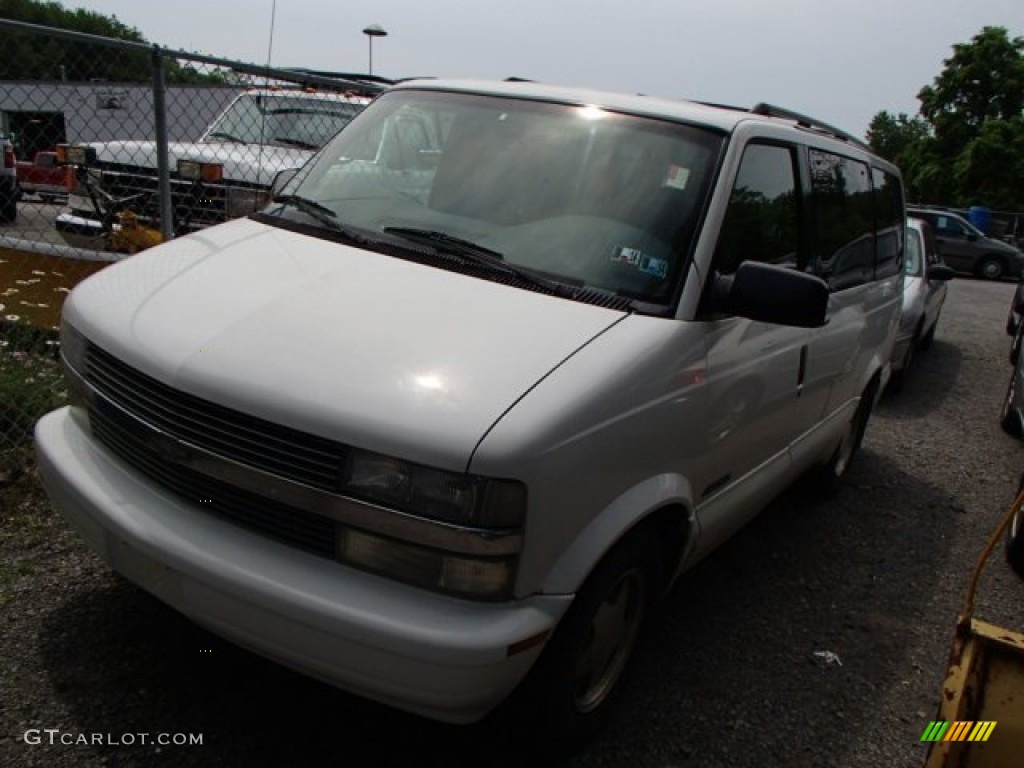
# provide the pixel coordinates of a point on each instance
(480, 255)
(290, 142)
(226, 136)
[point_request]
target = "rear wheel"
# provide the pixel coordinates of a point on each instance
(991, 267)
(829, 477)
(8, 208)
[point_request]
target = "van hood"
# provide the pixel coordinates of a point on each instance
(249, 163)
(355, 346)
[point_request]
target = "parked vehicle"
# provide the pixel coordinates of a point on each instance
(966, 249)
(45, 177)
(9, 190)
(924, 293)
(227, 173)
(506, 359)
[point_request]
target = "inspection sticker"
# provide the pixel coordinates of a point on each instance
(636, 258)
(677, 177)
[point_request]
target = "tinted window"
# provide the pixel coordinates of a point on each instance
(761, 223)
(889, 218)
(844, 247)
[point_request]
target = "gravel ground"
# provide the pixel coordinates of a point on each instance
(728, 675)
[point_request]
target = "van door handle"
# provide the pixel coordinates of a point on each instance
(802, 371)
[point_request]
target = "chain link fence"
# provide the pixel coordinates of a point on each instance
(111, 147)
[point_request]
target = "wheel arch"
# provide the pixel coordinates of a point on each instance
(659, 506)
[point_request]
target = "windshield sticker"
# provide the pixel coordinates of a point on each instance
(677, 177)
(636, 258)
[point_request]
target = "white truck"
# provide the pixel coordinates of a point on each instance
(227, 173)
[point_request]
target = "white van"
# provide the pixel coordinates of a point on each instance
(493, 369)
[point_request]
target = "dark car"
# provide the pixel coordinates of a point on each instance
(966, 249)
(1012, 420)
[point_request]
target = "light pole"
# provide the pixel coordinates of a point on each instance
(372, 31)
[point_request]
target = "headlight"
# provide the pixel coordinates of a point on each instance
(426, 492)
(241, 202)
(196, 170)
(488, 579)
(72, 347)
(457, 504)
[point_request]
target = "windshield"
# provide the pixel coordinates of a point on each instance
(283, 119)
(578, 194)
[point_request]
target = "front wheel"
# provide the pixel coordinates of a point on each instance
(579, 676)
(1009, 417)
(8, 208)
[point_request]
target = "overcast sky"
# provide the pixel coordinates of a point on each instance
(839, 60)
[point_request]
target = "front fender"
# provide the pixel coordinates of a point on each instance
(613, 522)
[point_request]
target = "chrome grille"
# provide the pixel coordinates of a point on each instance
(193, 205)
(126, 438)
(280, 450)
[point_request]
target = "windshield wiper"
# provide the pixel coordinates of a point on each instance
(478, 254)
(321, 213)
(226, 136)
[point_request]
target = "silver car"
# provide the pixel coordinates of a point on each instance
(924, 292)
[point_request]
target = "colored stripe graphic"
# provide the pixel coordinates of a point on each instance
(959, 730)
(935, 731)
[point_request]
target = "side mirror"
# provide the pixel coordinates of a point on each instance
(939, 272)
(773, 294)
(281, 179)
(971, 237)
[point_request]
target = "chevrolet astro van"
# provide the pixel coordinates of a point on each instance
(442, 422)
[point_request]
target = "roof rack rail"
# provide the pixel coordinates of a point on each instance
(770, 110)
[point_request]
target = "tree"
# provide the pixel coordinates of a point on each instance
(891, 136)
(984, 80)
(967, 148)
(38, 57)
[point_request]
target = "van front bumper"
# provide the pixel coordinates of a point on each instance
(441, 657)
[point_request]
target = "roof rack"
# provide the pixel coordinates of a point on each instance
(770, 110)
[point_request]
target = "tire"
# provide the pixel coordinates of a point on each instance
(1009, 417)
(8, 209)
(829, 477)
(1015, 539)
(571, 691)
(991, 268)
(929, 338)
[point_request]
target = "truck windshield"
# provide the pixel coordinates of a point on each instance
(300, 120)
(595, 198)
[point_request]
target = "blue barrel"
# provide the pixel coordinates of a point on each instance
(980, 216)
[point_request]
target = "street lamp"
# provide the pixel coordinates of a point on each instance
(372, 31)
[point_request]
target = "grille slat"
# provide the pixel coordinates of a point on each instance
(284, 452)
(296, 527)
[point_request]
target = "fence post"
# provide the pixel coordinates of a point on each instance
(163, 168)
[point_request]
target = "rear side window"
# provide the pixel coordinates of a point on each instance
(843, 251)
(890, 217)
(762, 221)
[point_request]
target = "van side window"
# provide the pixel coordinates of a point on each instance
(844, 247)
(889, 220)
(761, 222)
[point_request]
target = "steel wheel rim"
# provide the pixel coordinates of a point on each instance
(992, 270)
(614, 628)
